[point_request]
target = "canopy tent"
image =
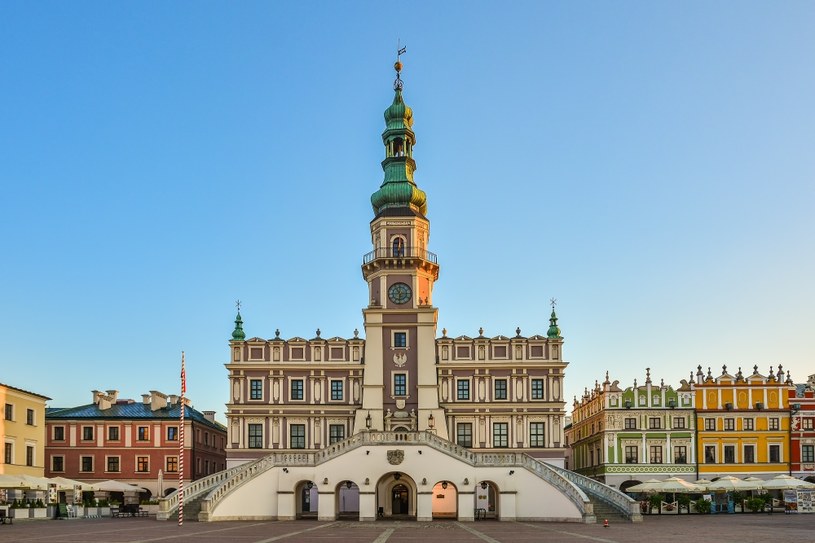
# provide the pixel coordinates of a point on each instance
(728, 483)
(13, 482)
(786, 482)
(35, 483)
(117, 486)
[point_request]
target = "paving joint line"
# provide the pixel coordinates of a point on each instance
(476, 533)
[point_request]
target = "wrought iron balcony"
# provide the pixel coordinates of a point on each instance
(402, 252)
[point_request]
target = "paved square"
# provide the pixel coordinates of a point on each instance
(742, 528)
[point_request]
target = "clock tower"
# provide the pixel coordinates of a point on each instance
(400, 390)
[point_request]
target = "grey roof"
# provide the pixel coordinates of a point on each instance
(130, 410)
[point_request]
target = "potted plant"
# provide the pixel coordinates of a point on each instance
(684, 501)
(38, 509)
(104, 507)
(655, 501)
(738, 501)
(702, 506)
(15, 510)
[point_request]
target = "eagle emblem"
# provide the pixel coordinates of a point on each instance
(395, 457)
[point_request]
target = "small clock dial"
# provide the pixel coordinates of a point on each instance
(399, 293)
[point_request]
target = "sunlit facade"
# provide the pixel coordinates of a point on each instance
(22, 430)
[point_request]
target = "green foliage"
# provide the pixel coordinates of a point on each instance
(755, 504)
(40, 503)
(103, 503)
(702, 506)
(655, 500)
(684, 501)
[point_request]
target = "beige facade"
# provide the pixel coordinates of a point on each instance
(22, 428)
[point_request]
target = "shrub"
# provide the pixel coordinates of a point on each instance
(684, 501)
(702, 506)
(755, 504)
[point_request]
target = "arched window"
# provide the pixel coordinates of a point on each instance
(398, 246)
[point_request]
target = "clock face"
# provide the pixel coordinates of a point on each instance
(399, 293)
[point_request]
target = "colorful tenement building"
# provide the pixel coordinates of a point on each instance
(620, 437)
(133, 442)
(22, 431)
(802, 434)
(708, 427)
(743, 422)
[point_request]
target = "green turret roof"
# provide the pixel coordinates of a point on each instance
(238, 333)
(398, 190)
(554, 331)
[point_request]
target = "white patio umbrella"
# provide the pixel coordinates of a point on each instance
(651, 485)
(786, 482)
(728, 483)
(117, 486)
(35, 483)
(13, 482)
(677, 485)
(63, 483)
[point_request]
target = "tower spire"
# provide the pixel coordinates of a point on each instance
(554, 331)
(238, 333)
(398, 191)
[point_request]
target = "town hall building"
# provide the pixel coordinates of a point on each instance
(399, 421)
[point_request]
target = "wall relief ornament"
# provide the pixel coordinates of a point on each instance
(400, 359)
(396, 457)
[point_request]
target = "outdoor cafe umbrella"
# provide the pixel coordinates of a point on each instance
(651, 485)
(677, 485)
(63, 483)
(13, 481)
(786, 482)
(728, 483)
(117, 486)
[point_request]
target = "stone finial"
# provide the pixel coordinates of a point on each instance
(481, 331)
(755, 369)
(699, 370)
(277, 333)
(518, 332)
(662, 383)
(724, 369)
(647, 376)
(444, 332)
(318, 332)
(709, 373)
(635, 383)
(356, 333)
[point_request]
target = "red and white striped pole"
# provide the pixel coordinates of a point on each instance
(181, 445)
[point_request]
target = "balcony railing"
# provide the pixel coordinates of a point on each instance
(402, 252)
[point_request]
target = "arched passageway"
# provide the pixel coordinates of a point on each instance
(445, 500)
(307, 500)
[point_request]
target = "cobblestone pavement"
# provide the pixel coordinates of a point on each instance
(694, 528)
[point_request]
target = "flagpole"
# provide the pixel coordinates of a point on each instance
(181, 445)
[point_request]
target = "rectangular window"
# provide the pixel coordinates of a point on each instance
(298, 436)
(729, 454)
(172, 433)
(255, 436)
(29, 455)
(87, 433)
(255, 389)
(710, 424)
(143, 434)
(113, 463)
(8, 456)
(806, 424)
(808, 453)
(500, 434)
(142, 464)
(464, 434)
(336, 390)
(680, 454)
(86, 463)
(749, 454)
(537, 434)
(9, 412)
(59, 433)
(747, 424)
(500, 389)
(336, 432)
(774, 423)
(400, 339)
(679, 422)
(775, 453)
(630, 423)
(729, 425)
(399, 384)
(113, 433)
(463, 389)
(656, 454)
(29, 417)
(631, 454)
(297, 389)
(710, 454)
(171, 464)
(58, 463)
(654, 423)
(537, 389)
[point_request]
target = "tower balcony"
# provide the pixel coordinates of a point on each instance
(399, 258)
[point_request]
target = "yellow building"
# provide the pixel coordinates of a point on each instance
(22, 430)
(743, 423)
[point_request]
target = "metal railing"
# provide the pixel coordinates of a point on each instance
(627, 506)
(402, 252)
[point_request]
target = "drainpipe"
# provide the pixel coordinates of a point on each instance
(696, 440)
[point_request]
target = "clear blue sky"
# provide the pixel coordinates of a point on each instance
(649, 164)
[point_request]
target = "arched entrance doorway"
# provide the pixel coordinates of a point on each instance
(347, 494)
(445, 500)
(400, 500)
(307, 496)
(396, 496)
(486, 500)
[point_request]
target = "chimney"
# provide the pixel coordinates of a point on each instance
(158, 400)
(96, 395)
(114, 395)
(173, 399)
(145, 399)
(209, 415)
